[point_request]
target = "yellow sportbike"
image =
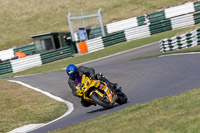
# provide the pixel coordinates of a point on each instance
(96, 91)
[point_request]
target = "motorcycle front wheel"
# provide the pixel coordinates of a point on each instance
(122, 98)
(101, 101)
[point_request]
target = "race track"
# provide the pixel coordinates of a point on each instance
(142, 81)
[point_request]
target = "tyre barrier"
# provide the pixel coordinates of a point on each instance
(179, 42)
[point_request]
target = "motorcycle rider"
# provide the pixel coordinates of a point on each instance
(75, 75)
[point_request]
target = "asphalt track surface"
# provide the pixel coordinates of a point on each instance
(142, 81)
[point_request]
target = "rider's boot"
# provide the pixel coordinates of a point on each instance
(113, 85)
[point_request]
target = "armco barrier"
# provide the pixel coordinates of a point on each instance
(57, 54)
(141, 20)
(139, 27)
(10, 53)
(122, 25)
(160, 26)
(114, 38)
(157, 16)
(196, 17)
(34, 60)
(137, 32)
(182, 21)
(25, 63)
(93, 33)
(179, 10)
(5, 67)
(180, 42)
(160, 21)
(6, 54)
(27, 49)
(196, 6)
(95, 44)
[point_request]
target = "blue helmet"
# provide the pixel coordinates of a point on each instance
(72, 71)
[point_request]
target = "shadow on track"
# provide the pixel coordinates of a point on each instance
(103, 109)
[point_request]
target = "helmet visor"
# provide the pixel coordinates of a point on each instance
(73, 75)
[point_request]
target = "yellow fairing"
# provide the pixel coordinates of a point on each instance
(87, 84)
(111, 95)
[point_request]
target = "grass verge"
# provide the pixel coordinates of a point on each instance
(21, 106)
(60, 64)
(173, 114)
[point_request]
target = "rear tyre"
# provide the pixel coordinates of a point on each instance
(122, 98)
(102, 102)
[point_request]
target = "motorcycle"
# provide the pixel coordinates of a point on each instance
(98, 92)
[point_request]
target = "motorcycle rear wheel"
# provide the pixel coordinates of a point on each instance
(99, 100)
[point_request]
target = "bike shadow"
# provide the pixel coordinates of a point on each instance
(102, 109)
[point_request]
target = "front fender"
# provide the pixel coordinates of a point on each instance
(98, 92)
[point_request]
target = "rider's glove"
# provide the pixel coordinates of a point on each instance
(78, 86)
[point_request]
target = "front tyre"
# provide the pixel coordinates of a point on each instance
(101, 101)
(122, 98)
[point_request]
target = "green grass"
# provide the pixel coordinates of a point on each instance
(60, 64)
(20, 106)
(22, 18)
(174, 114)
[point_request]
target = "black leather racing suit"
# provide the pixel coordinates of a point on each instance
(89, 72)
(81, 70)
